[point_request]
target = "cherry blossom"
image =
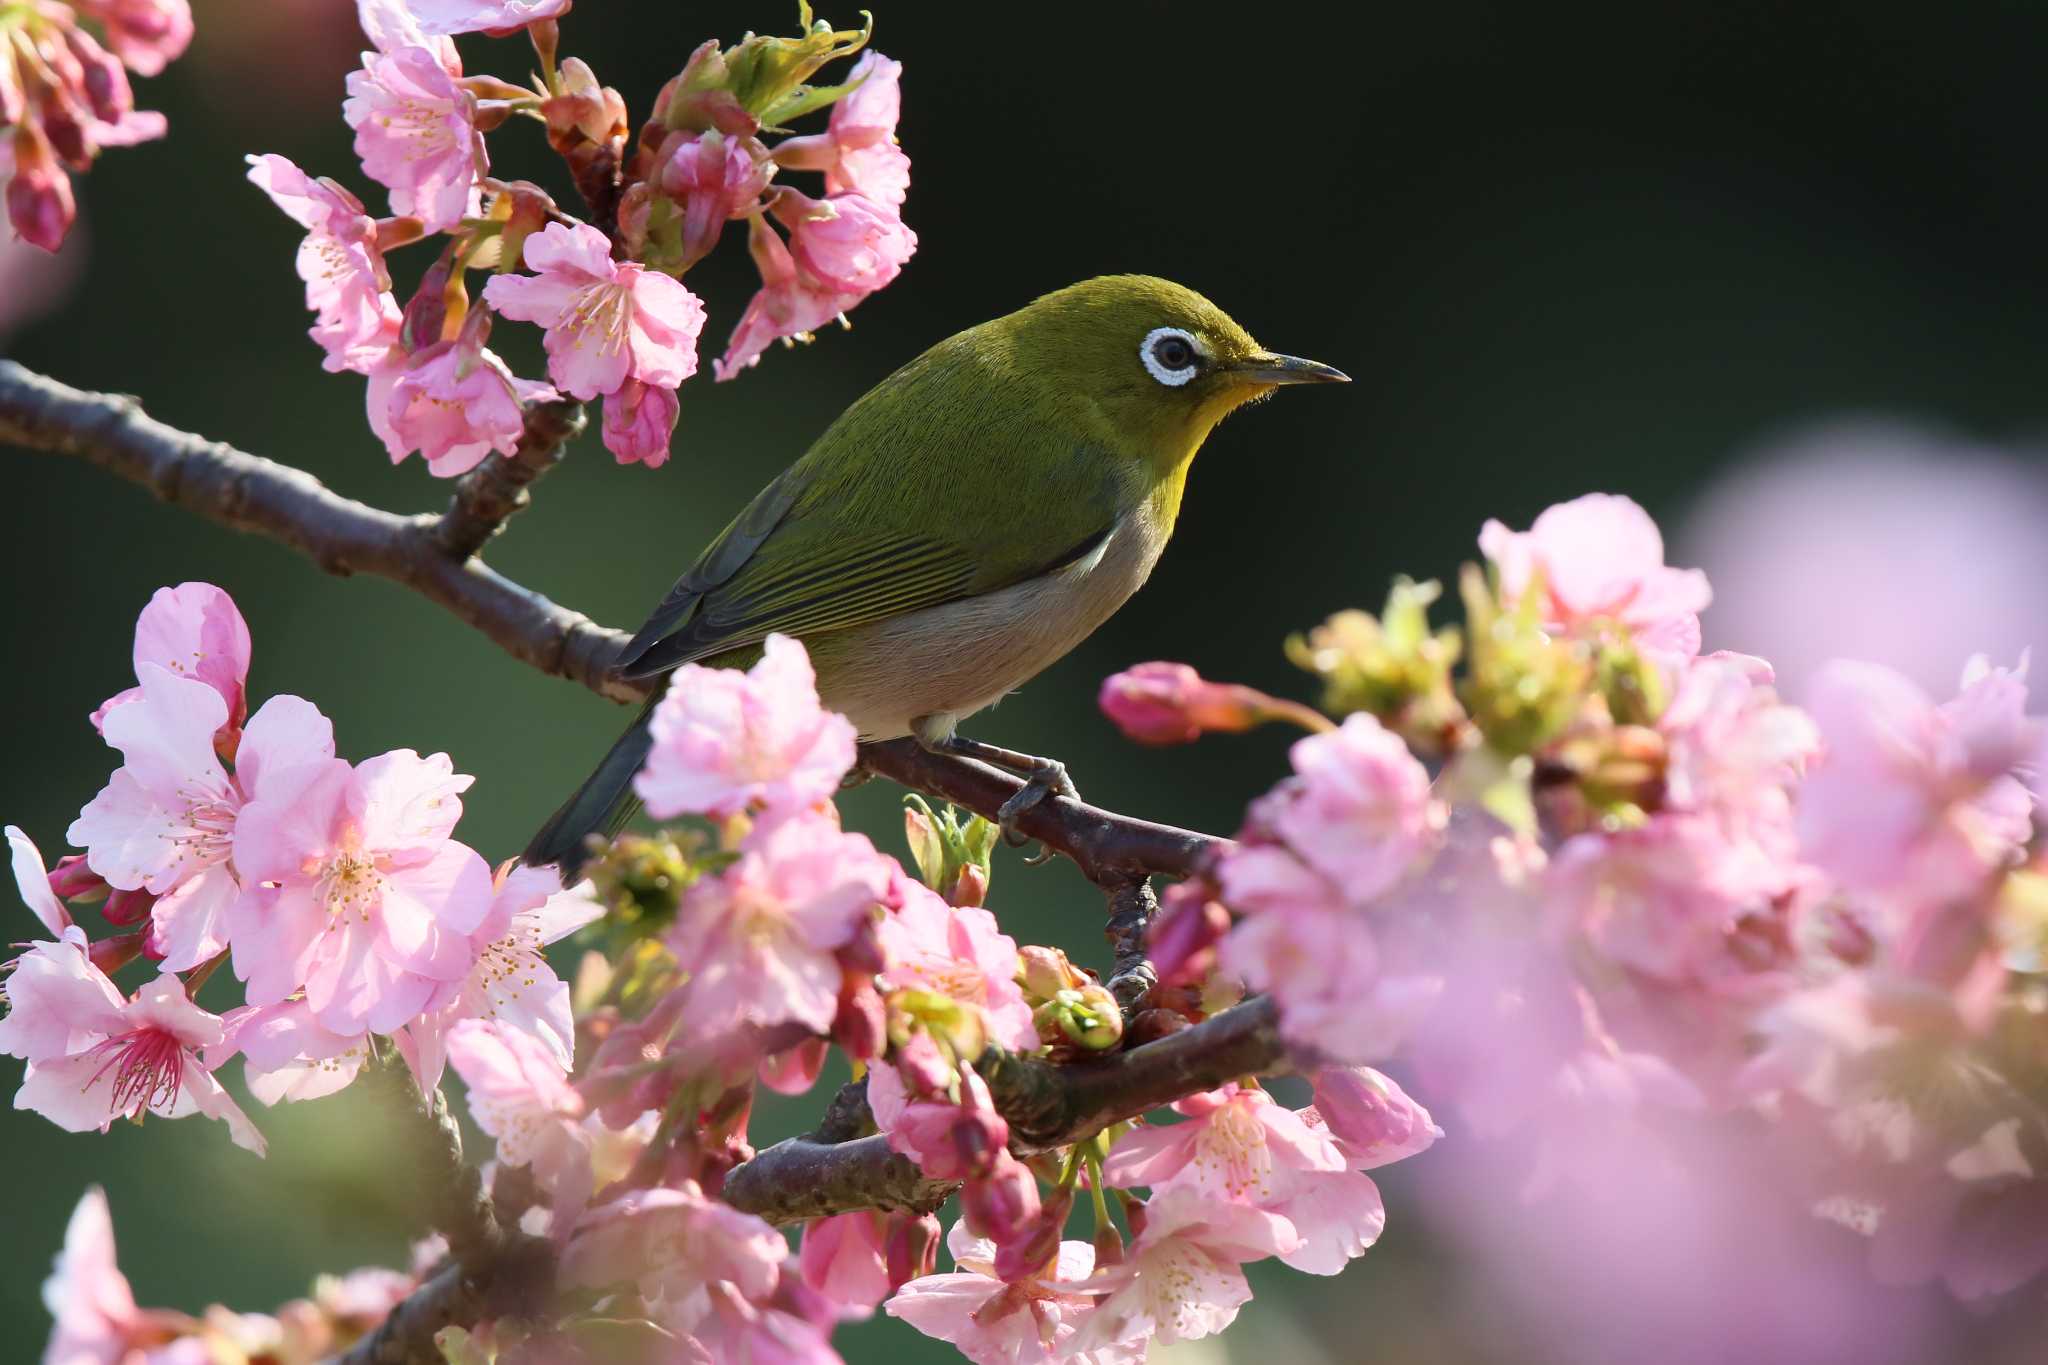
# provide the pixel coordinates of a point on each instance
(347, 285)
(846, 243)
(1913, 803)
(962, 955)
(789, 304)
(639, 423)
(1029, 1322)
(726, 741)
(1241, 1147)
(355, 890)
(1601, 558)
(166, 820)
(32, 878)
(97, 1322)
(416, 133)
(671, 1243)
(606, 321)
(1370, 1117)
(858, 151)
(287, 1055)
(194, 630)
(145, 34)
(94, 1056)
(1358, 809)
(454, 401)
(1182, 1278)
(440, 17)
(716, 178)
(511, 984)
(759, 939)
(949, 1139)
(519, 1093)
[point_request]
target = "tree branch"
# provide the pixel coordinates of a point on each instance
(1046, 1106)
(496, 1271)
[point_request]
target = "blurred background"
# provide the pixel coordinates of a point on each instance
(1773, 270)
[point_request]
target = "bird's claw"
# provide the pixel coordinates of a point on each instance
(1048, 778)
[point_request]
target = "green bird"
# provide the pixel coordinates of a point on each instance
(963, 525)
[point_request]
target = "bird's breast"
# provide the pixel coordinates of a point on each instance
(949, 661)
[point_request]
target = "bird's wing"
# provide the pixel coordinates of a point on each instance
(809, 576)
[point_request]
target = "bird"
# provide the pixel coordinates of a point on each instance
(958, 529)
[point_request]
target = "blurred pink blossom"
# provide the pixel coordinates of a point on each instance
(671, 1243)
(1600, 557)
(1358, 809)
(1031, 1322)
(144, 34)
(97, 1322)
(441, 17)
(726, 741)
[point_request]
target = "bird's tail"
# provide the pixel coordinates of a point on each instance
(603, 804)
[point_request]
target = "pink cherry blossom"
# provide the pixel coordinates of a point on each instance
(716, 178)
(1031, 1322)
(97, 1322)
(847, 242)
(846, 1259)
(519, 1093)
(640, 423)
(863, 133)
(606, 320)
(287, 1055)
(960, 954)
(453, 401)
(355, 890)
(145, 34)
(166, 820)
(1241, 1147)
(948, 1139)
(1358, 809)
(1182, 1278)
(512, 986)
(347, 285)
(1370, 1117)
(32, 878)
(1656, 898)
(792, 1326)
(1170, 703)
(416, 133)
(671, 1243)
(194, 630)
(789, 304)
(94, 1057)
(759, 939)
(442, 17)
(1913, 804)
(727, 741)
(1601, 558)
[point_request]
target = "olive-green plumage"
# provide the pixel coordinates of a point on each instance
(965, 523)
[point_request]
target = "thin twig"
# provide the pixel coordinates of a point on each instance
(495, 489)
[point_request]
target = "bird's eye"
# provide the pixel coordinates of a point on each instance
(1170, 356)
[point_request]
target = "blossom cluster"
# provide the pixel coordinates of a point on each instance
(1640, 889)
(65, 95)
(618, 323)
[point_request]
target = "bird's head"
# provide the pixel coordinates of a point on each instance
(1159, 363)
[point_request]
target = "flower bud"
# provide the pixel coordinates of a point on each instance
(1028, 1253)
(910, 1247)
(1047, 972)
(110, 955)
(1170, 703)
(1524, 686)
(1001, 1204)
(766, 75)
(1182, 940)
(1087, 1018)
(71, 879)
(1372, 1116)
(1391, 666)
(39, 202)
(952, 856)
(124, 908)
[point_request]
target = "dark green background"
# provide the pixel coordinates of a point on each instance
(1557, 247)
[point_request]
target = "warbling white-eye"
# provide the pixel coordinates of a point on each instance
(965, 523)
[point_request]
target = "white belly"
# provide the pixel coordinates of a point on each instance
(943, 664)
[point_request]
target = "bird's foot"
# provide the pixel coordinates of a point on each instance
(1046, 777)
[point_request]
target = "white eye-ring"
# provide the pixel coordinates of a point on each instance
(1171, 356)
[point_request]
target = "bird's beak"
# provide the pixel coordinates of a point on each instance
(1286, 369)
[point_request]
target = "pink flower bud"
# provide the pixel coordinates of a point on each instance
(639, 422)
(110, 955)
(1371, 1116)
(861, 1025)
(910, 1247)
(957, 1143)
(793, 1070)
(1169, 703)
(1183, 939)
(71, 879)
(1027, 1254)
(970, 888)
(39, 202)
(124, 908)
(1001, 1204)
(1046, 972)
